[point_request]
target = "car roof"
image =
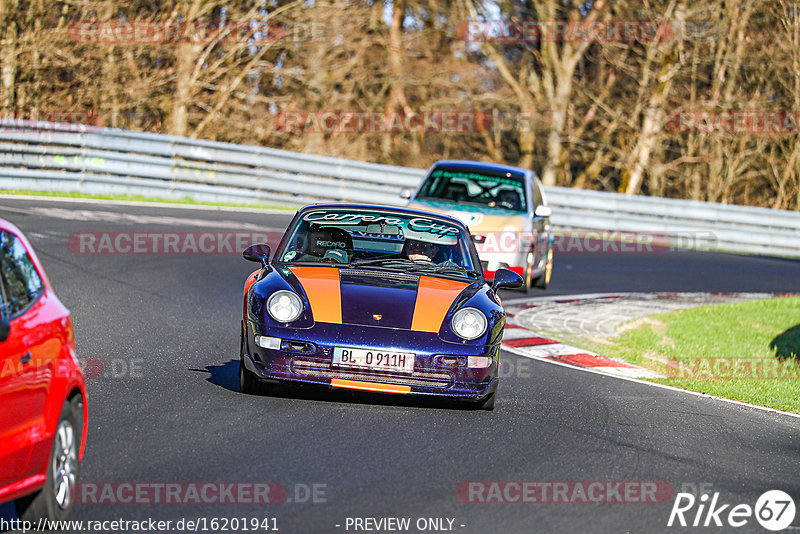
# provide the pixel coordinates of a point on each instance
(10, 227)
(398, 209)
(483, 166)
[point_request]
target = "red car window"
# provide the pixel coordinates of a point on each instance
(21, 284)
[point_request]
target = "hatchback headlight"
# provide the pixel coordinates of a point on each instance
(469, 323)
(284, 306)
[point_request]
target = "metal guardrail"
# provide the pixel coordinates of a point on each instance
(45, 156)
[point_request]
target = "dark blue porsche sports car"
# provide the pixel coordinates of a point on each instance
(373, 298)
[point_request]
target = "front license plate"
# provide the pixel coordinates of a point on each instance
(402, 362)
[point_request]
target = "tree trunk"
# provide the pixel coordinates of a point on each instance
(397, 95)
(8, 52)
(558, 118)
(187, 55)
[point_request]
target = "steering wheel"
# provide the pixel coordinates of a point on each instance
(335, 256)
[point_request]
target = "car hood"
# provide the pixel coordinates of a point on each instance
(479, 219)
(373, 297)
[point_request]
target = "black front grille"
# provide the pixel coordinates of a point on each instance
(322, 369)
(379, 274)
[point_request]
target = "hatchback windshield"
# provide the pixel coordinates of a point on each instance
(505, 192)
(387, 239)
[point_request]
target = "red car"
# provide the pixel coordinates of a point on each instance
(43, 412)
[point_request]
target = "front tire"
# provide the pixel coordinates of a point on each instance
(543, 280)
(527, 280)
(488, 403)
(248, 383)
(56, 499)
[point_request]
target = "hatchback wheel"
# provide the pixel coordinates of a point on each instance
(56, 499)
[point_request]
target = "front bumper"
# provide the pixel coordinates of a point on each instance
(306, 356)
(513, 262)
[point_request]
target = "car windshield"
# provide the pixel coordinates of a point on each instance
(504, 192)
(379, 239)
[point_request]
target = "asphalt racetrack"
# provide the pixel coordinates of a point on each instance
(166, 406)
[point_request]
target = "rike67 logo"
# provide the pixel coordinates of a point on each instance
(774, 510)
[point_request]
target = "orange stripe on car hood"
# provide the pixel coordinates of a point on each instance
(370, 386)
(322, 288)
(434, 298)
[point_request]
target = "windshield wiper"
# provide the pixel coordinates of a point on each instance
(444, 269)
(382, 261)
(414, 266)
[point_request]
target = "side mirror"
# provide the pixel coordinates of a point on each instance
(258, 253)
(503, 278)
(406, 193)
(543, 211)
(5, 330)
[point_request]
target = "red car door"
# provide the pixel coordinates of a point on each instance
(23, 356)
(46, 339)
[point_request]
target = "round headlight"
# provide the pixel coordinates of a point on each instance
(284, 306)
(469, 323)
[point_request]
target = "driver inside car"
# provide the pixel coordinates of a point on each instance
(420, 250)
(427, 252)
(509, 199)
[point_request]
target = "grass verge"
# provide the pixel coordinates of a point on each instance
(139, 198)
(747, 351)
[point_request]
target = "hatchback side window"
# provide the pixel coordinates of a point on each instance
(3, 300)
(21, 284)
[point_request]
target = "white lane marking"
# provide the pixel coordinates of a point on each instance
(554, 349)
(516, 333)
(602, 316)
(14, 210)
(632, 372)
(547, 351)
(154, 204)
(47, 234)
(653, 384)
(110, 216)
(514, 302)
